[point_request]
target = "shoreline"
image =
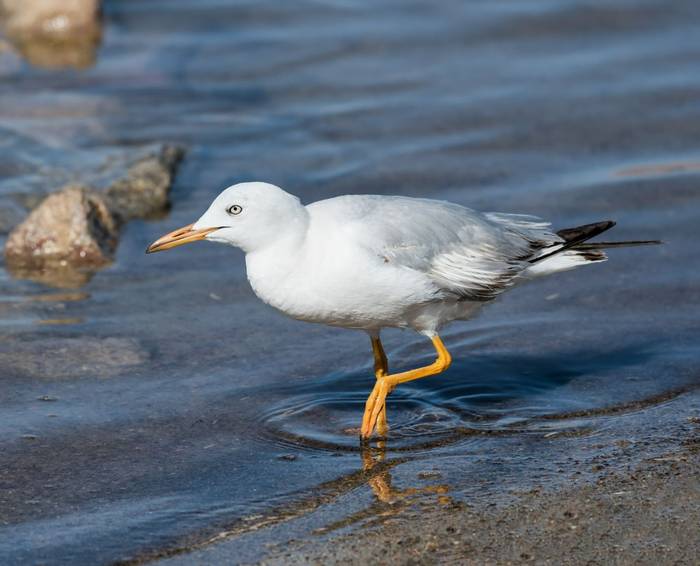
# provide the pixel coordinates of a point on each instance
(648, 514)
(633, 499)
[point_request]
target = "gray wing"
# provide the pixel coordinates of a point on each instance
(472, 255)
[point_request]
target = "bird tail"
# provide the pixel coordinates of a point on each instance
(607, 245)
(576, 250)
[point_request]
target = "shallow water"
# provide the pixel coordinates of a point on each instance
(162, 404)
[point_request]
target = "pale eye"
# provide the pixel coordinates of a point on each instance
(234, 209)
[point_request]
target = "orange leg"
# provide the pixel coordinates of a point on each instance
(376, 402)
(381, 369)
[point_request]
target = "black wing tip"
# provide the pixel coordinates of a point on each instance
(574, 237)
(585, 232)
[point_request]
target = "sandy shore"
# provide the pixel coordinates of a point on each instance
(648, 514)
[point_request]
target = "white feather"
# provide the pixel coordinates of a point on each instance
(364, 261)
(563, 261)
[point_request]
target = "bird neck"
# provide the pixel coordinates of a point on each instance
(269, 265)
(278, 230)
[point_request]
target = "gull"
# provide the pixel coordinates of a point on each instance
(369, 262)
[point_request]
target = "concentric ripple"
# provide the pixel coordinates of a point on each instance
(493, 393)
(331, 422)
(326, 414)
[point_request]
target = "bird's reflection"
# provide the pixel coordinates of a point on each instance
(389, 500)
(374, 464)
(380, 481)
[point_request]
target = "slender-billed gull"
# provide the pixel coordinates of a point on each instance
(368, 262)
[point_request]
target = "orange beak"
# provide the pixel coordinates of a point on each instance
(178, 237)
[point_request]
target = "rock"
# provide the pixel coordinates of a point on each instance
(73, 232)
(144, 191)
(54, 33)
(73, 226)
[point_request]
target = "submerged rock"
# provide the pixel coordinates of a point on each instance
(54, 275)
(53, 33)
(65, 358)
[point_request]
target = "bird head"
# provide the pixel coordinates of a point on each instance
(249, 216)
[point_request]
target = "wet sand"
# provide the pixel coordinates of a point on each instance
(648, 514)
(629, 501)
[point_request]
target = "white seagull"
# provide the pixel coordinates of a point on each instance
(368, 262)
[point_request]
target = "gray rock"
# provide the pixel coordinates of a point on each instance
(143, 193)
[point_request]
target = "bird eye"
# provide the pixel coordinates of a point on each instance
(234, 209)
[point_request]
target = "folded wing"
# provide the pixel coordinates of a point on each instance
(467, 254)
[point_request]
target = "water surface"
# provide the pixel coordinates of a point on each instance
(162, 406)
